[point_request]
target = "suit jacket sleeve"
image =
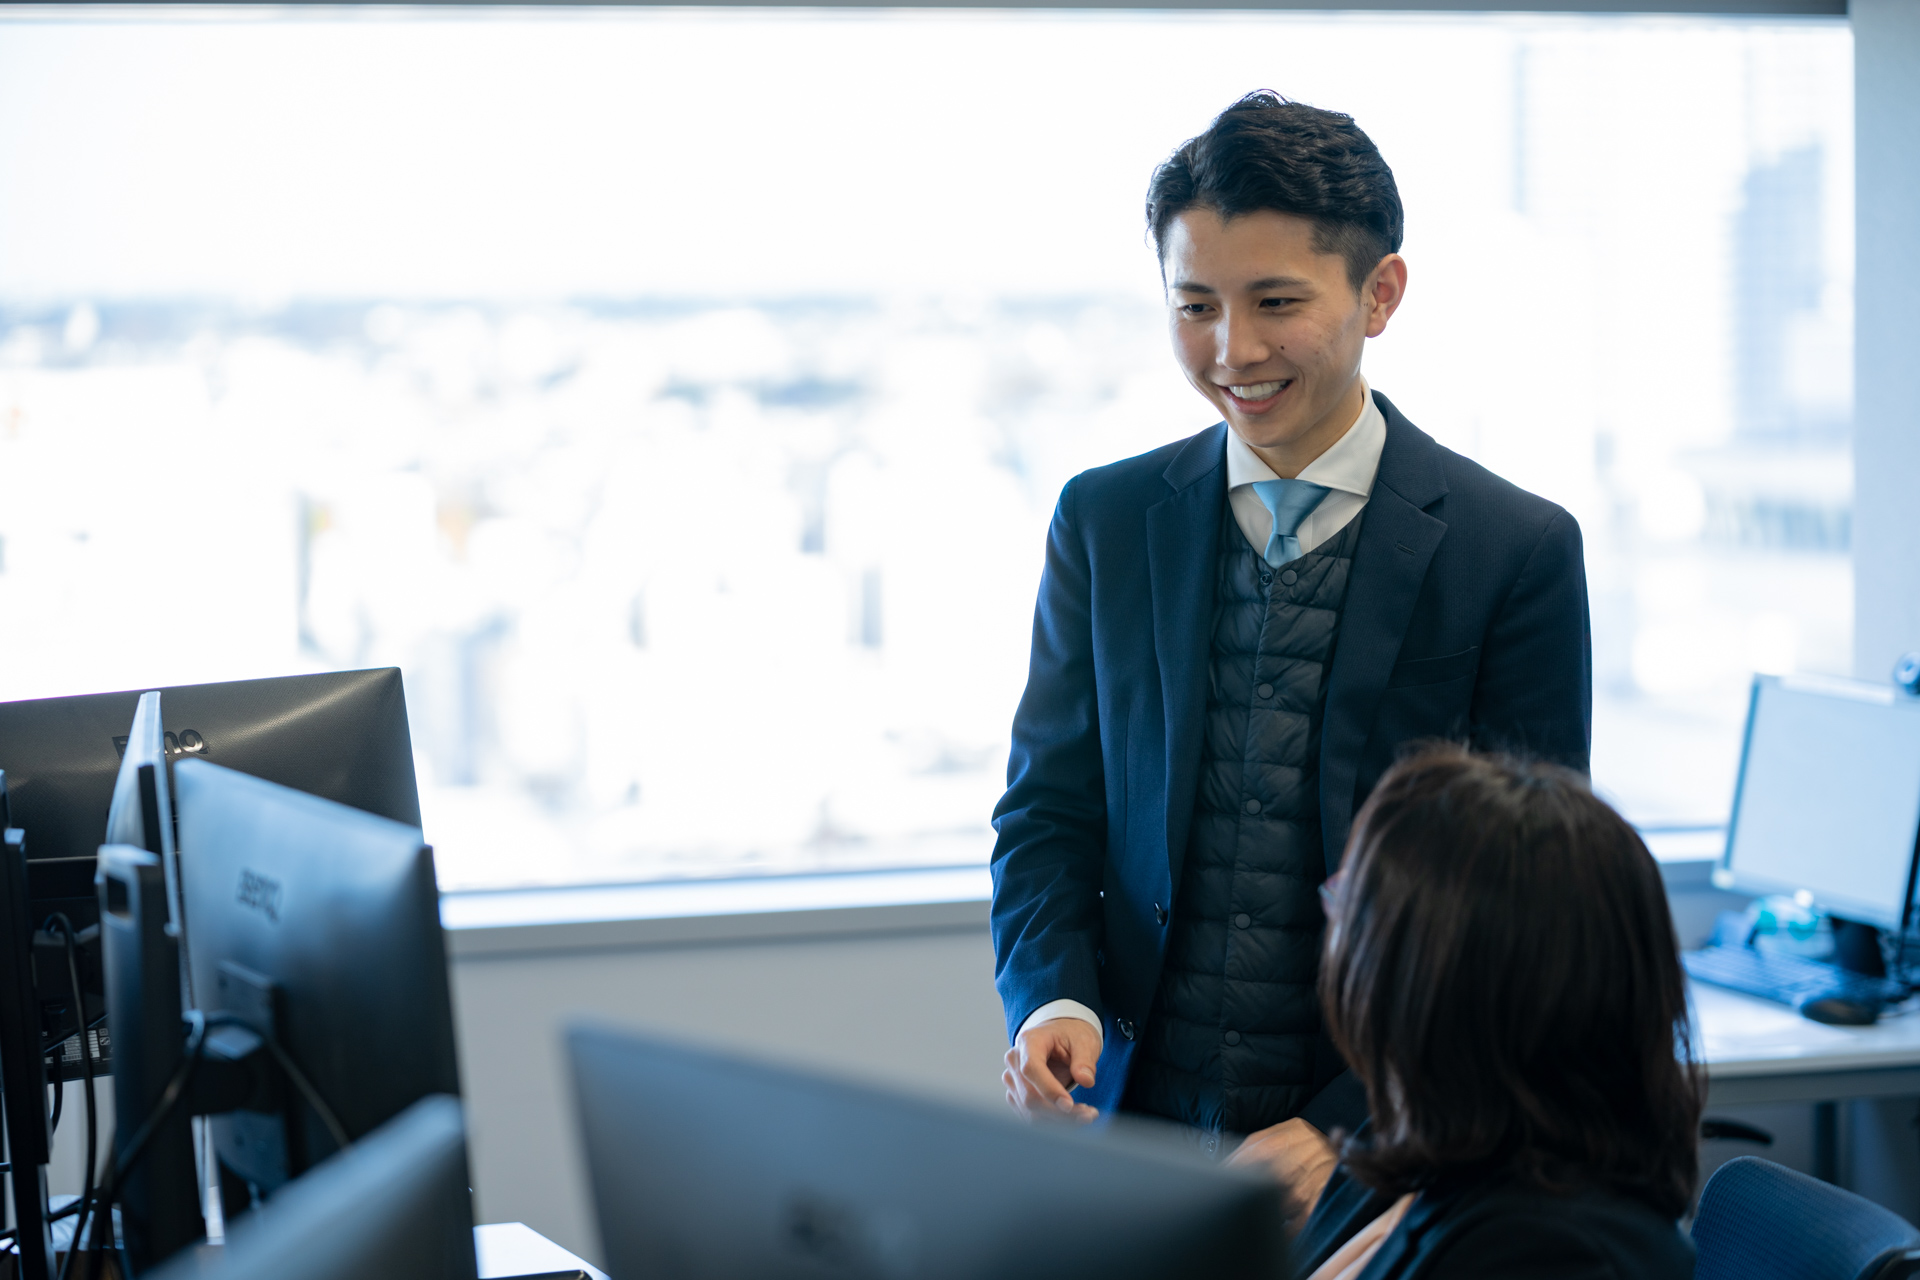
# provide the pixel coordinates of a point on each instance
(1534, 696)
(1048, 860)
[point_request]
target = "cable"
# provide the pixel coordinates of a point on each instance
(137, 1145)
(87, 1188)
(59, 1105)
(90, 1215)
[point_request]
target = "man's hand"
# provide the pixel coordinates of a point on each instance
(1045, 1062)
(1299, 1158)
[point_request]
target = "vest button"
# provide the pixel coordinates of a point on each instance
(1266, 579)
(1265, 691)
(1289, 577)
(1159, 914)
(1232, 1038)
(1242, 920)
(1125, 1028)
(1252, 806)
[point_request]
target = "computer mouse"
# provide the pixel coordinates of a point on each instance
(1838, 1010)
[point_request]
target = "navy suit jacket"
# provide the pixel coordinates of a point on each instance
(1465, 618)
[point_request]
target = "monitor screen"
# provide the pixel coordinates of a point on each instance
(1828, 802)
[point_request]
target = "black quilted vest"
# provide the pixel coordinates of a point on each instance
(1234, 1042)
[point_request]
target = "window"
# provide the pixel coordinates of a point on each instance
(680, 396)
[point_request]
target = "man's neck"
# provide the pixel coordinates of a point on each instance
(1288, 460)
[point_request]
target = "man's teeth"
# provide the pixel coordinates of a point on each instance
(1259, 390)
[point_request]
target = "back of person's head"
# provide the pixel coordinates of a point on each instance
(1265, 153)
(1502, 975)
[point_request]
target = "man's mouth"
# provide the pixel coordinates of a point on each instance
(1257, 396)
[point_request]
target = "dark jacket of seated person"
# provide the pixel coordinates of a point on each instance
(1501, 973)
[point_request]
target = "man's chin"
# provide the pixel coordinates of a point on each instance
(1264, 433)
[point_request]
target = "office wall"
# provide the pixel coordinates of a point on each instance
(1886, 431)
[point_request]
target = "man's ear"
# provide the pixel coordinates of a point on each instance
(1386, 285)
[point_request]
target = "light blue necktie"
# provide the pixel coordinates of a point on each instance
(1290, 502)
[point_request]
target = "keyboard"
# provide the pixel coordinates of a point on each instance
(1787, 979)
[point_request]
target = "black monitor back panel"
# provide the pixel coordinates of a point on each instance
(338, 734)
(706, 1166)
(395, 1207)
(337, 912)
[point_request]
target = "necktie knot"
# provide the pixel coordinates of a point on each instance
(1289, 502)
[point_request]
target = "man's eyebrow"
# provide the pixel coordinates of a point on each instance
(1257, 286)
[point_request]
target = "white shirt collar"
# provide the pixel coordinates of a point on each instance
(1349, 464)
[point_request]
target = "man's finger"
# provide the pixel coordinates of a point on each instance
(1033, 1085)
(1079, 1047)
(1046, 1064)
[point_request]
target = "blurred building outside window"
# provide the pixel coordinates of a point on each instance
(680, 396)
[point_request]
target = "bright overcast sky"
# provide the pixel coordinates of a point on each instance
(671, 151)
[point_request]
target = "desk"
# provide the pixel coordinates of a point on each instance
(515, 1251)
(1757, 1051)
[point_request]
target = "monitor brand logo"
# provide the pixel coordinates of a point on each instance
(187, 742)
(260, 893)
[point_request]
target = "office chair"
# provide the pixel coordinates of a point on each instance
(1759, 1221)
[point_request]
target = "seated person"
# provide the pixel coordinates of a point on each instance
(1501, 974)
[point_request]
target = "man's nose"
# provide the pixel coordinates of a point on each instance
(1238, 341)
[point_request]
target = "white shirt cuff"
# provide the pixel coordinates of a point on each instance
(1066, 1009)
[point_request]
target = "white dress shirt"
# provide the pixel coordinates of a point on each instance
(1347, 468)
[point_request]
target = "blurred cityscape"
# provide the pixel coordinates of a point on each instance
(743, 586)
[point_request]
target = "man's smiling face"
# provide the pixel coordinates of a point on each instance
(1271, 330)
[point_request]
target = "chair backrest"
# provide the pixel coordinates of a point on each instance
(1760, 1221)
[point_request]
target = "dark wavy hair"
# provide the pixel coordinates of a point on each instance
(1265, 152)
(1502, 975)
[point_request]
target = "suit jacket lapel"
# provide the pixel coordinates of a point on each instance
(1183, 542)
(1397, 542)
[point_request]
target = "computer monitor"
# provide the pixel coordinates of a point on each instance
(338, 734)
(1827, 806)
(394, 1206)
(158, 1198)
(319, 926)
(708, 1165)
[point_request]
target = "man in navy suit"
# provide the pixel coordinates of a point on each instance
(1235, 635)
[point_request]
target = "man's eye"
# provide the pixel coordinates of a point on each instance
(1194, 308)
(1274, 303)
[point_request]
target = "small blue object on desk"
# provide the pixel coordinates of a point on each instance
(515, 1251)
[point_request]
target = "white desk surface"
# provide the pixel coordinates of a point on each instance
(1758, 1051)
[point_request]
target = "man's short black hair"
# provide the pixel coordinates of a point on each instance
(1264, 152)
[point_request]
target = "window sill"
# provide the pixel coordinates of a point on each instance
(690, 913)
(501, 922)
